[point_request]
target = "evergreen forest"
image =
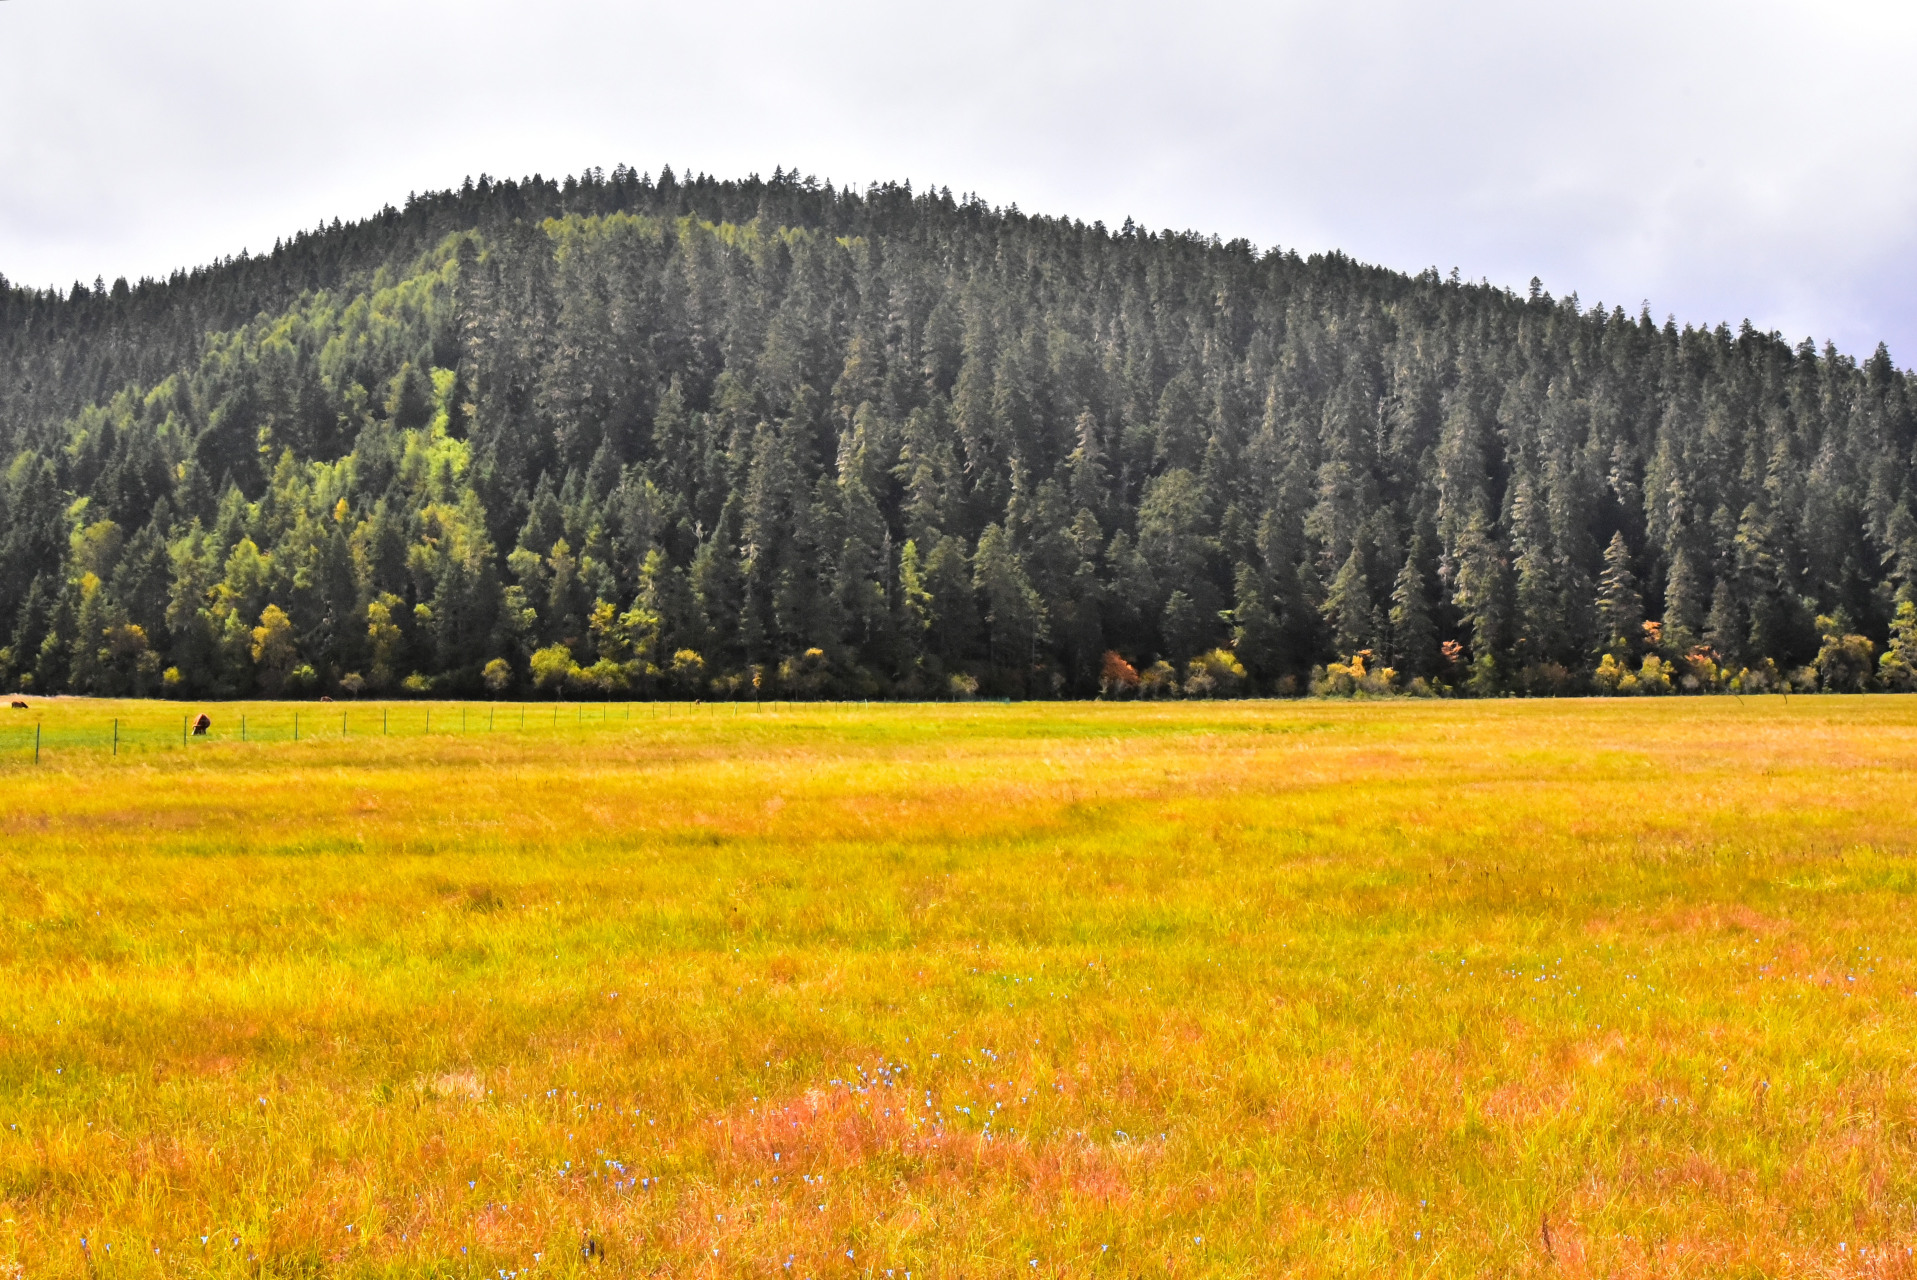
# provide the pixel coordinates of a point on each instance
(633, 436)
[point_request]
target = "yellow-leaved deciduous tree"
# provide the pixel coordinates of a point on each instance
(688, 669)
(388, 641)
(552, 666)
(1845, 663)
(89, 671)
(498, 675)
(915, 602)
(608, 637)
(1217, 674)
(640, 631)
(602, 679)
(1654, 677)
(1897, 669)
(1160, 680)
(805, 675)
(248, 579)
(275, 655)
(130, 655)
(95, 548)
(563, 596)
(1352, 678)
(1651, 679)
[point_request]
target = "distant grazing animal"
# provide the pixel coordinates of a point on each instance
(325, 699)
(201, 725)
(20, 706)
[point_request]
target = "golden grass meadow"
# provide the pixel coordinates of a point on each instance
(1440, 989)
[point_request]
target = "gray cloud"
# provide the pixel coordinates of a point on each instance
(1721, 160)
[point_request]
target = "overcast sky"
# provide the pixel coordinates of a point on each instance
(1720, 161)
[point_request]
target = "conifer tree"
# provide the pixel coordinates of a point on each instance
(1348, 607)
(1482, 596)
(1256, 637)
(1685, 619)
(1726, 628)
(1182, 629)
(1414, 643)
(1619, 607)
(1013, 613)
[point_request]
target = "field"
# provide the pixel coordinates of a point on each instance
(1440, 989)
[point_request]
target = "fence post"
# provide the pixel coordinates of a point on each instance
(429, 722)
(296, 726)
(382, 722)
(182, 731)
(36, 744)
(242, 728)
(342, 725)
(116, 735)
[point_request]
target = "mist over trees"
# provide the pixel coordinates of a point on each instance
(626, 436)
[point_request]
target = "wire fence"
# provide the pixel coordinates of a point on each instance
(38, 733)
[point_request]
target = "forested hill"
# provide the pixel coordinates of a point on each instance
(620, 436)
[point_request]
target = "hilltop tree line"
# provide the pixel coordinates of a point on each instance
(626, 436)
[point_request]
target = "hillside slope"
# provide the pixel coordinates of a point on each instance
(619, 435)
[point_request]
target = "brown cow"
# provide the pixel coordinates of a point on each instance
(20, 706)
(201, 725)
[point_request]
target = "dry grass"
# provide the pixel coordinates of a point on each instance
(1240, 989)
